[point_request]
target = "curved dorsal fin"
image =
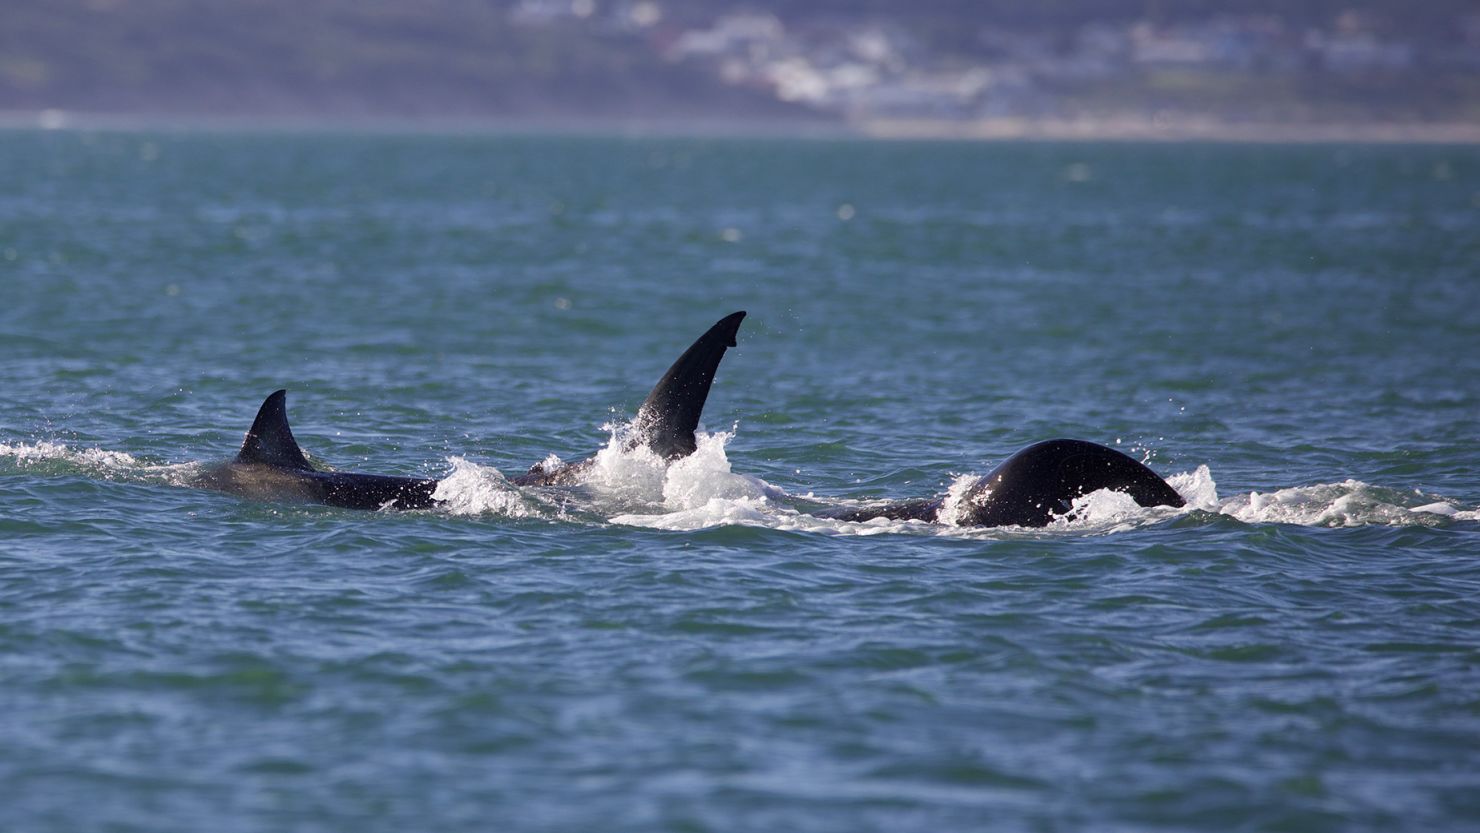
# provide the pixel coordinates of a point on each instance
(669, 416)
(270, 440)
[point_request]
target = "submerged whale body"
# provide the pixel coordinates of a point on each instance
(271, 465)
(1033, 486)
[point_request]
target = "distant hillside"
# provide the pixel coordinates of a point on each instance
(784, 61)
(342, 58)
(1427, 18)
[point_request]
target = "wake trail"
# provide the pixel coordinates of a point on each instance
(635, 487)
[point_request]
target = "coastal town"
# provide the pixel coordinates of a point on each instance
(867, 70)
(1327, 69)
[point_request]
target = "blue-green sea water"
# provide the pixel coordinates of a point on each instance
(1290, 334)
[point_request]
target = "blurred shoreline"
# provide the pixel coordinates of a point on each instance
(1172, 130)
(1001, 129)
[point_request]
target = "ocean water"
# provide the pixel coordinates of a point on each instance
(1290, 334)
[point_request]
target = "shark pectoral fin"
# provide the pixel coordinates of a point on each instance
(669, 416)
(270, 440)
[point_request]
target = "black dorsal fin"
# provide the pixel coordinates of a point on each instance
(669, 416)
(270, 440)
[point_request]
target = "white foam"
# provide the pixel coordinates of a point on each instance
(1348, 503)
(702, 491)
(621, 477)
(716, 512)
(961, 486)
(472, 489)
(697, 491)
(764, 513)
(706, 476)
(1105, 511)
(93, 458)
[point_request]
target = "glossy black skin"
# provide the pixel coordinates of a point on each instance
(1034, 485)
(271, 466)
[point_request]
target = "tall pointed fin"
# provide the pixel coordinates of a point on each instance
(669, 416)
(270, 440)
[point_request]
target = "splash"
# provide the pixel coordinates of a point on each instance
(619, 476)
(1105, 511)
(706, 476)
(702, 491)
(633, 482)
(961, 486)
(1197, 488)
(472, 489)
(699, 491)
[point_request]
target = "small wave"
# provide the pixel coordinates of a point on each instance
(1348, 503)
(55, 458)
(95, 459)
(762, 512)
(1345, 504)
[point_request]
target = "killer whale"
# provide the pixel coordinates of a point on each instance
(669, 416)
(1032, 487)
(271, 466)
